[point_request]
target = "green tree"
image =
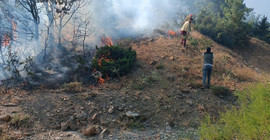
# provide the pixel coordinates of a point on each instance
(227, 19)
(262, 29)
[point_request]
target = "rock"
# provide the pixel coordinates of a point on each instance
(185, 90)
(64, 126)
(27, 134)
(10, 104)
(131, 114)
(111, 109)
(69, 125)
(5, 118)
(153, 63)
(91, 130)
(94, 117)
(171, 58)
(189, 102)
(81, 116)
(104, 122)
(200, 107)
(101, 135)
(138, 93)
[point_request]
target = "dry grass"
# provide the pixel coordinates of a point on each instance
(245, 74)
(73, 87)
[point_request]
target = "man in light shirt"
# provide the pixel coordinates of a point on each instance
(208, 57)
(186, 28)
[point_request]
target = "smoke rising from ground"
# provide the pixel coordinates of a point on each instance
(122, 18)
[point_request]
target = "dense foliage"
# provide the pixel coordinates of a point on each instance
(249, 121)
(223, 21)
(114, 61)
(261, 29)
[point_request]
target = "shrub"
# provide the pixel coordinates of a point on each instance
(114, 61)
(249, 121)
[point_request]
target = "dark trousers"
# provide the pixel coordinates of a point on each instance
(207, 70)
(184, 34)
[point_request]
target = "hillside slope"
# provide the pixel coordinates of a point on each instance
(164, 89)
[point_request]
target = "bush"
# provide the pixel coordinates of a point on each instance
(250, 121)
(114, 61)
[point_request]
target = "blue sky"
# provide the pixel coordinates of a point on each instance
(261, 7)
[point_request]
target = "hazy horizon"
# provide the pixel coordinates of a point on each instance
(261, 7)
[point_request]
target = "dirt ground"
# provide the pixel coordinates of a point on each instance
(161, 98)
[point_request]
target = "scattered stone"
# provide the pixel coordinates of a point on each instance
(145, 98)
(64, 126)
(27, 134)
(5, 118)
(131, 114)
(10, 104)
(111, 109)
(104, 122)
(171, 58)
(101, 135)
(91, 130)
(200, 107)
(189, 102)
(185, 90)
(153, 63)
(69, 125)
(138, 93)
(81, 116)
(94, 117)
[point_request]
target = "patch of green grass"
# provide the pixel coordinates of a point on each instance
(251, 120)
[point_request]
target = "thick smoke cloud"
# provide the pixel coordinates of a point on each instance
(123, 18)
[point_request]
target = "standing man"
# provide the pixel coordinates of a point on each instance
(208, 57)
(185, 30)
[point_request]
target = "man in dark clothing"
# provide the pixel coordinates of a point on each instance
(207, 67)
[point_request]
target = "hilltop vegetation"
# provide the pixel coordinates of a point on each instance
(225, 22)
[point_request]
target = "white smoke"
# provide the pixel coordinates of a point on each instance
(122, 18)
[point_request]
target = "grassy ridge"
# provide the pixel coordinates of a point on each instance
(250, 121)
